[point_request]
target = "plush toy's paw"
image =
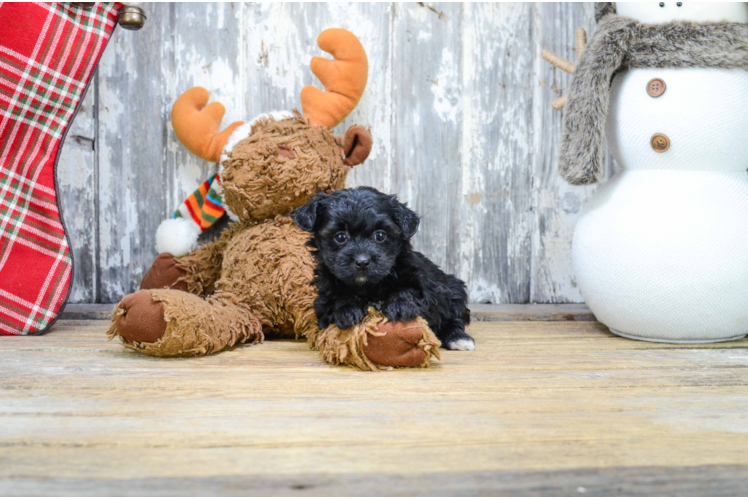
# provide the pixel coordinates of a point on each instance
(164, 273)
(377, 344)
(139, 318)
(396, 344)
(175, 323)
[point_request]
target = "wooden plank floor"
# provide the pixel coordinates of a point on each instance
(540, 407)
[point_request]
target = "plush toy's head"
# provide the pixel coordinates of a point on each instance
(664, 12)
(284, 163)
(277, 162)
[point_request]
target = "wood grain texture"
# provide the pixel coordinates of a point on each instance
(557, 204)
(709, 480)
(427, 120)
(458, 102)
(133, 139)
(497, 221)
(76, 182)
(601, 411)
(478, 312)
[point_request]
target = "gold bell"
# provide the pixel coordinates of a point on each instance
(131, 18)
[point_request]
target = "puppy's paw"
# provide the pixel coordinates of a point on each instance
(401, 310)
(459, 342)
(349, 316)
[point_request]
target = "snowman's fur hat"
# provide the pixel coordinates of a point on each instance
(619, 43)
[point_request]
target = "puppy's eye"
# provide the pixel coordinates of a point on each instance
(341, 238)
(380, 236)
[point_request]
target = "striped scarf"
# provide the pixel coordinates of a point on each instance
(204, 206)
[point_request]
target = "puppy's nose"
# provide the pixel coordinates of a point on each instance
(363, 261)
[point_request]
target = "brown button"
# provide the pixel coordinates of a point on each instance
(656, 87)
(660, 143)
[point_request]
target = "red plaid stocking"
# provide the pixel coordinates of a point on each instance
(48, 53)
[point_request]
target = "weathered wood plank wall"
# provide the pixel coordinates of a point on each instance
(458, 102)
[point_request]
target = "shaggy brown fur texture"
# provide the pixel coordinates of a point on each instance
(256, 278)
(357, 346)
(259, 182)
(619, 43)
(193, 326)
(264, 286)
(202, 267)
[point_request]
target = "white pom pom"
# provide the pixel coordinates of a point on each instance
(177, 236)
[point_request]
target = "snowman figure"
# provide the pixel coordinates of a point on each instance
(661, 250)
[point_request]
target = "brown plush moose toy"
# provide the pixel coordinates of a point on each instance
(255, 279)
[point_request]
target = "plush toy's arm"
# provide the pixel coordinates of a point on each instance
(202, 266)
(195, 272)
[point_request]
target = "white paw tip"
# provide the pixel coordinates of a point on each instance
(462, 345)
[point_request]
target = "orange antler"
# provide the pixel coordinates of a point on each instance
(344, 78)
(197, 125)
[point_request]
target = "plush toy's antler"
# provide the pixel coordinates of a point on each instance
(344, 78)
(198, 126)
(565, 65)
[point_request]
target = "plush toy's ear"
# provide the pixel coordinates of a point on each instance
(406, 218)
(306, 216)
(357, 145)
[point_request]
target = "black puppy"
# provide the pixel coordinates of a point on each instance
(361, 241)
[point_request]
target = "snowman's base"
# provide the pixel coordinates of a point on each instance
(669, 341)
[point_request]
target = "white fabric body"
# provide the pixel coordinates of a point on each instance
(661, 251)
(700, 12)
(704, 113)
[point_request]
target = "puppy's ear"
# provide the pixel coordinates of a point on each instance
(406, 218)
(357, 145)
(306, 216)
